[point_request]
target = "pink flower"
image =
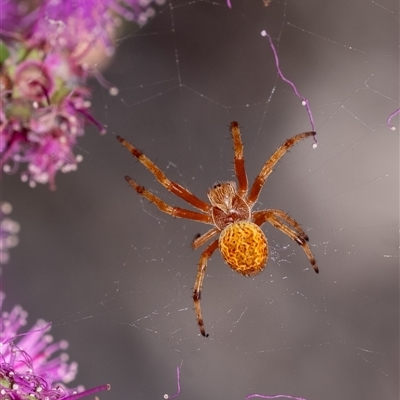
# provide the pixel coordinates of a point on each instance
(44, 51)
(32, 367)
(8, 232)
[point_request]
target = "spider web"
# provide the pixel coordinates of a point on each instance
(182, 79)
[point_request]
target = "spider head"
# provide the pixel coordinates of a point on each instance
(228, 206)
(222, 194)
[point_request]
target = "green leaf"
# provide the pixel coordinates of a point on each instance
(4, 53)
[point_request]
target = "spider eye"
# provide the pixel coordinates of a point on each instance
(217, 185)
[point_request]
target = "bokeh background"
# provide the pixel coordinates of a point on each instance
(115, 276)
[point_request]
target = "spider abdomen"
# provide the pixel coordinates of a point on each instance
(244, 247)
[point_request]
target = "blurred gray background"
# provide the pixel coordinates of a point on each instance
(115, 276)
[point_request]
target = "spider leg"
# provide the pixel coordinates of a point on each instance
(201, 239)
(201, 271)
(173, 187)
(297, 234)
(292, 222)
(164, 207)
(270, 164)
(238, 158)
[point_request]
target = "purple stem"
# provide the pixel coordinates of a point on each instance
(178, 383)
(304, 100)
(41, 329)
(229, 3)
(92, 120)
(80, 395)
(278, 396)
(393, 114)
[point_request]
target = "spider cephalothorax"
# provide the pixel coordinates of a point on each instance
(241, 241)
(227, 205)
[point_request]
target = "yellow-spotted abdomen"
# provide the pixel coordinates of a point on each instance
(244, 247)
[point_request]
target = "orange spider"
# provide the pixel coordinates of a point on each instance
(241, 241)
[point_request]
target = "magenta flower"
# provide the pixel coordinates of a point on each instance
(45, 49)
(8, 232)
(33, 367)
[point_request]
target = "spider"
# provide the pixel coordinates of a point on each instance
(241, 241)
